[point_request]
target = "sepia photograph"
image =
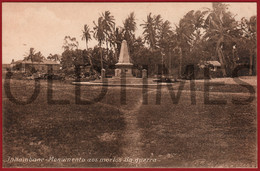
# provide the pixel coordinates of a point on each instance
(129, 85)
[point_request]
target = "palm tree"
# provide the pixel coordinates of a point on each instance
(109, 27)
(165, 34)
(54, 57)
(157, 22)
(150, 31)
(188, 37)
(30, 56)
(38, 57)
(151, 34)
(253, 36)
(184, 33)
(99, 35)
(249, 37)
(129, 28)
(34, 57)
(117, 40)
(221, 28)
(108, 21)
(70, 43)
(87, 37)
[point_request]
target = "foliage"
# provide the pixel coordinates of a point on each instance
(199, 36)
(70, 43)
(86, 34)
(222, 32)
(129, 30)
(54, 57)
(151, 27)
(246, 45)
(33, 56)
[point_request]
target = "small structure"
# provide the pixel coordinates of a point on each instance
(124, 66)
(144, 73)
(214, 65)
(103, 74)
(42, 66)
(212, 68)
(203, 70)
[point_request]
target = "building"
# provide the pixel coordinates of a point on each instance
(214, 65)
(26, 66)
(204, 69)
(5, 67)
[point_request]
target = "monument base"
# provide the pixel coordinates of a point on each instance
(120, 72)
(123, 70)
(122, 81)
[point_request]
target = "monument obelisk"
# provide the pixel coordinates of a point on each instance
(124, 66)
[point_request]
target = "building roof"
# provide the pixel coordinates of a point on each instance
(43, 62)
(5, 65)
(214, 63)
(17, 62)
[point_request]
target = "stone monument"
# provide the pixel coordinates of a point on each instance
(124, 66)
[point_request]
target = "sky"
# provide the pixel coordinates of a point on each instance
(43, 26)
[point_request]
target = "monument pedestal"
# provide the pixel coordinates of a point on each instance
(123, 70)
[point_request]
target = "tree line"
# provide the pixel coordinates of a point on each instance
(200, 35)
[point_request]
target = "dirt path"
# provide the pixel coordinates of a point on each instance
(131, 139)
(132, 148)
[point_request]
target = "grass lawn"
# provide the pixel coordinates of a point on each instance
(153, 134)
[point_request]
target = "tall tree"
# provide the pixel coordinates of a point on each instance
(99, 35)
(109, 27)
(249, 37)
(151, 30)
(150, 27)
(188, 37)
(70, 43)
(30, 55)
(184, 33)
(54, 57)
(38, 57)
(34, 56)
(87, 37)
(129, 28)
(104, 30)
(221, 29)
(165, 43)
(117, 40)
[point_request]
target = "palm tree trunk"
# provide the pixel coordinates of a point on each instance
(101, 58)
(90, 60)
(107, 49)
(227, 63)
(221, 58)
(180, 62)
(250, 62)
(233, 61)
(254, 61)
(170, 63)
(222, 62)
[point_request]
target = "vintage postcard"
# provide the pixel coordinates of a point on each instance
(129, 85)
